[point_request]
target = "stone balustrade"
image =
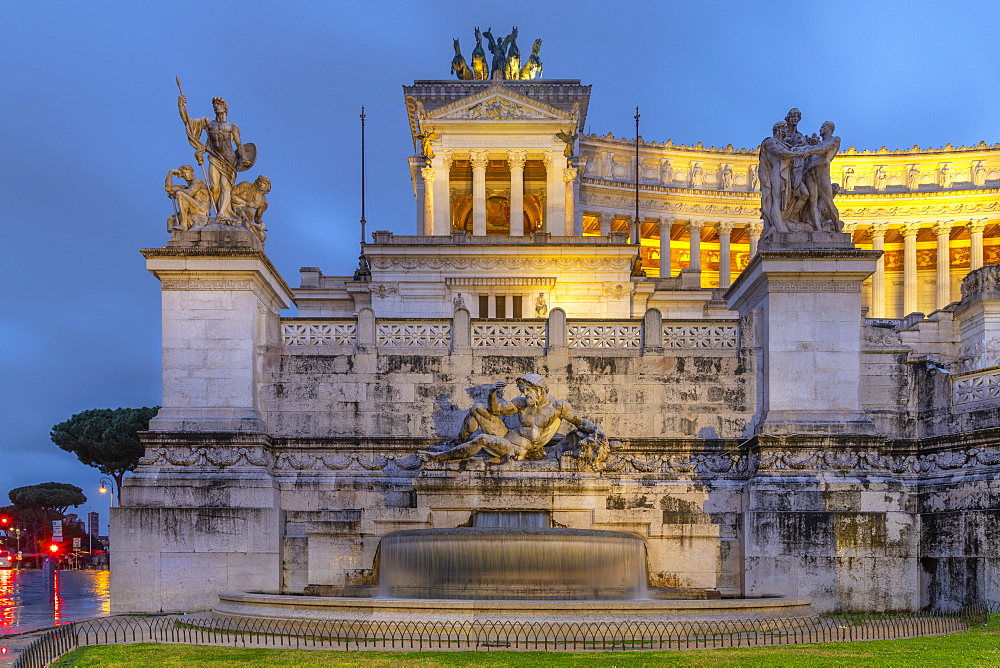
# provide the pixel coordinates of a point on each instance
(637, 335)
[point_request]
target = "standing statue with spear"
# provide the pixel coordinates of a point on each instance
(227, 155)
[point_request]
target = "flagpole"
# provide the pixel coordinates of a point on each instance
(363, 272)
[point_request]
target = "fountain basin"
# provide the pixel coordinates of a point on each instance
(489, 563)
(324, 608)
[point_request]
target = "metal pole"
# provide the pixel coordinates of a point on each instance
(638, 230)
(363, 272)
(362, 175)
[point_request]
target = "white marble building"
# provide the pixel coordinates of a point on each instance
(788, 422)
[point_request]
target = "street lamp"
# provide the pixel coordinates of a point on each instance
(108, 486)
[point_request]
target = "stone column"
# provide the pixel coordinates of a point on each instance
(942, 229)
(479, 160)
(442, 193)
(569, 176)
(666, 268)
(754, 230)
(878, 278)
(555, 193)
(725, 230)
(416, 166)
(910, 231)
(428, 175)
(580, 164)
(605, 220)
(694, 230)
(976, 228)
(515, 160)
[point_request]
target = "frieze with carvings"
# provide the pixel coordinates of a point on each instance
(489, 263)
(925, 210)
(497, 109)
(879, 337)
(206, 456)
(619, 461)
(849, 461)
(289, 461)
(382, 291)
(984, 279)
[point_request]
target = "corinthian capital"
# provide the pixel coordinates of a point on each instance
(943, 227)
(976, 226)
(516, 159)
(479, 159)
(569, 174)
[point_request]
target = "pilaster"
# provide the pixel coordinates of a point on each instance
(442, 193)
(555, 188)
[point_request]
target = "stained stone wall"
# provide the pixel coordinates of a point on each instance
(311, 394)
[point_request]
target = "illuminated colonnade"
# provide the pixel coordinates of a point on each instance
(934, 212)
(480, 192)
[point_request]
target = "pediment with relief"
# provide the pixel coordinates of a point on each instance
(498, 104)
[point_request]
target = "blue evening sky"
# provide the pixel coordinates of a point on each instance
(90, 128)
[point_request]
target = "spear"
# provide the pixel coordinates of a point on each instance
(199, 148)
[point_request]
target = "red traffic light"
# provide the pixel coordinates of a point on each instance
(4, 521)
(53, 548)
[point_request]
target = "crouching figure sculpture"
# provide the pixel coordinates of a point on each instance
(540, 415)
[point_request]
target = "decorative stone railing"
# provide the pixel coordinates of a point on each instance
(643, 336)
(409, 334)
(604, 335)
(975, 387)
(324, 333)
(694, 336)
(508, 335)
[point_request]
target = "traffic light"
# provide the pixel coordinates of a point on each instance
(53, 548)
(4, 522)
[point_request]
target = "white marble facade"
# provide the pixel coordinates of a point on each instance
(776, 413)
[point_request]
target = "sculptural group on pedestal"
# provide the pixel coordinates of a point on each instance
(795, 186)
(506, 62)
(197, 200)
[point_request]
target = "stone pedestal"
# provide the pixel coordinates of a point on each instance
(805, 306)
(978, 316)
(221, 300)
(201, 513)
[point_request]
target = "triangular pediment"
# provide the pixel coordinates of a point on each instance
(498, 103)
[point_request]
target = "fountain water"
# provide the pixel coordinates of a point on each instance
(512, 555)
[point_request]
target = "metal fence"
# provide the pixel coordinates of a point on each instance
(485, 635)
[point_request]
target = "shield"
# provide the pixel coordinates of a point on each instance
(246, 156)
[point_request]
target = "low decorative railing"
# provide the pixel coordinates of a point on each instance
(530, 334)
(604, 335)
(691, 336)
(413, 334)
(343, 333)
(974, 387)
(491, 636)
(508, 335)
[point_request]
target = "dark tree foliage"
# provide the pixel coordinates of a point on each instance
(107, 439)
(47, 496)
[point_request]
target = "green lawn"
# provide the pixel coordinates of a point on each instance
(979, 646)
